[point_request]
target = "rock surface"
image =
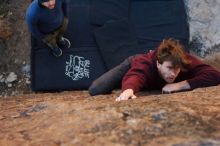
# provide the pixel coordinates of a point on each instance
(204, 21)
(75, 118)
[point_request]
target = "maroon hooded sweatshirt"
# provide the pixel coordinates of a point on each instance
(143, 74)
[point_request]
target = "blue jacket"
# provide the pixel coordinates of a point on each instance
(42, 21)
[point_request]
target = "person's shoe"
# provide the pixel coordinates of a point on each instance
(57, 52)
(64, 43)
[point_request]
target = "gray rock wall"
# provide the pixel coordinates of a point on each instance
(204, 21)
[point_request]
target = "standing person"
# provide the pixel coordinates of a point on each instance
(47, 21)
(168, 69)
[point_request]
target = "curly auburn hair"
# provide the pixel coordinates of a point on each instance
(172, 50)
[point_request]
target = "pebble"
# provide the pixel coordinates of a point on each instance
(26, 69)
(161, 115)
(13, 93)
(2, 80)
(11, 77)
(9, 85)
(27, 81)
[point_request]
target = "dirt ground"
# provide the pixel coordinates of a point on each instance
(75, 118)
(15, 51)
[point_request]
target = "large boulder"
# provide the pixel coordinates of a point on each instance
(204, 21)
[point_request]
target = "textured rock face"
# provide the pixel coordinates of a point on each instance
(75, 118)
(204, 21)
(5, 31)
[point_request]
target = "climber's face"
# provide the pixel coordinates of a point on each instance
(49, 4)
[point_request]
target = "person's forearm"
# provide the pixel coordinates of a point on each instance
(175, 87)
(205, 79)
(184, 85)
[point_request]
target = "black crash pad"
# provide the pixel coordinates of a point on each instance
(103, 33)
